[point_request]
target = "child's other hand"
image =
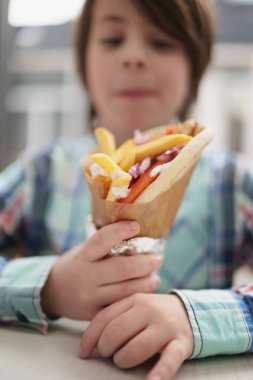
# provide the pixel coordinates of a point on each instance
(83, 281)
(136, 328)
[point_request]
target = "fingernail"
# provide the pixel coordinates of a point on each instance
(82, 352)
(133, 226)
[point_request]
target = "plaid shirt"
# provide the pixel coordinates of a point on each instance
(44, 201)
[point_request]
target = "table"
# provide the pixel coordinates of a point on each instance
(29, 355)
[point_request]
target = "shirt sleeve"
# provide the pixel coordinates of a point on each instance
(21, 278)
(21, 282)
(221, 320)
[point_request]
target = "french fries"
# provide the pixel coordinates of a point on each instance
(105, 140)
(118, 185)
(114, 166)
(124, 186)
(106, 163)
(156, 147)
(122, 151)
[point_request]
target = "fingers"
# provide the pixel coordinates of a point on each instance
(120, 330)
(107, 237)
(142, 347)
(111, 293)
(91, 336)
(121, 268)
(171, 359)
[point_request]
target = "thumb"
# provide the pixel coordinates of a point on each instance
(107, 237)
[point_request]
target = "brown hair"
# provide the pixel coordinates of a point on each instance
(188, 21)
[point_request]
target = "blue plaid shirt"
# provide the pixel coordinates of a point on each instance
(44, 202)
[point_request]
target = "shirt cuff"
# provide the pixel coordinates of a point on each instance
(21, 282)
(219, 322)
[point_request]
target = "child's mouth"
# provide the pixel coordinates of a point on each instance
(136, 93)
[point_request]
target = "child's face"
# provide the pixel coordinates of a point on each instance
(137, 76)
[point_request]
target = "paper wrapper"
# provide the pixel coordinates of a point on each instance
(156, 208)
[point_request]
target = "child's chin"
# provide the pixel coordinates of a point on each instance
(137, 122)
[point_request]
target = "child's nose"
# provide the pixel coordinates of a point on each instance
(134, 55)
(134, 62)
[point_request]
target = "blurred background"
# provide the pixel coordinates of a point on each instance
(41, 98)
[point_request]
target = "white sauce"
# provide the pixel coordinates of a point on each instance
(158, 169)
(96, 170)
(120, 192)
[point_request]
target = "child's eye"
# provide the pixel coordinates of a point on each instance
(112, 41)
(163, 45)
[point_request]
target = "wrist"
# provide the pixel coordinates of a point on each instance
(48, 300)
(188, 332)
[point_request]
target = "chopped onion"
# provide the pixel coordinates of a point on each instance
(145, 164)
(169, 155)
(134, 171)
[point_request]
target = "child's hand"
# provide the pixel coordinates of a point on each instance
(134, 329)
(82, 281)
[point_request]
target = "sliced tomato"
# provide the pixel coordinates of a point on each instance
(141, 184)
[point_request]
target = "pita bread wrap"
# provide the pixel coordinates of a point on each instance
(156, 207)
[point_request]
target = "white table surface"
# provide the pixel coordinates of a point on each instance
(29, 355)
